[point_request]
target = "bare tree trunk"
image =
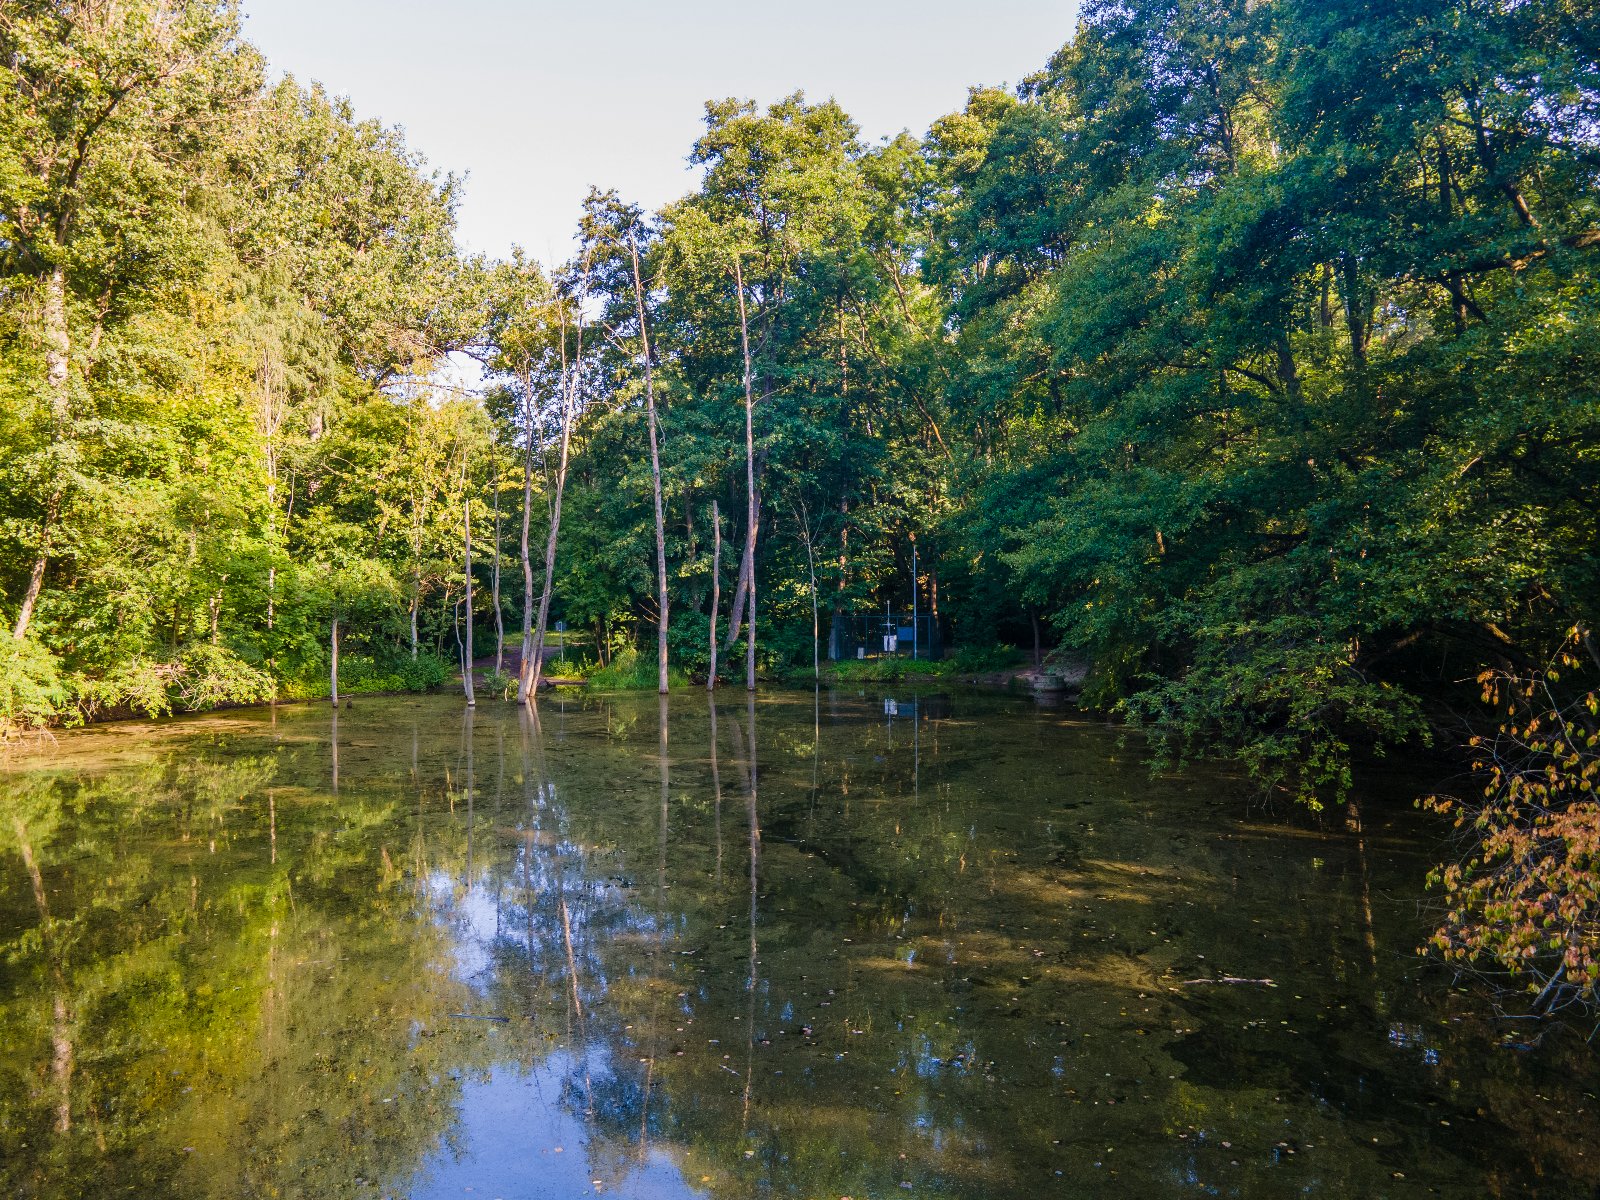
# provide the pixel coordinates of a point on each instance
(750, 487)
(571, 379)
(416, 601)
(716, 591)
(499, 620)
(816, 622)
(36, 576)
(466, 535)
(736, 610)
(57, 357)
(333, 666)
(655, 475)
(527, 562)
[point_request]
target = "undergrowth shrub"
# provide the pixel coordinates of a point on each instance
(1524, 897)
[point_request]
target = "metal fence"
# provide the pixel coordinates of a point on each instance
(884, 634)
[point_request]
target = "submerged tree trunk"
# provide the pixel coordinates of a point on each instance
(716, 590)
(655, 476)
(750, 488)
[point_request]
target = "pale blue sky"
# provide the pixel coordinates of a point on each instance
(537, 100)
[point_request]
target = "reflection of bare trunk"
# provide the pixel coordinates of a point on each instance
(61, 1055)
(716, 786)
(656, 981)
(1353, 823)
(716, 598)
(466, 734)
(333, 738)
(755, 861)
(655, 476)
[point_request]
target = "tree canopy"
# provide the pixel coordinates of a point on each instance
(1248, 348)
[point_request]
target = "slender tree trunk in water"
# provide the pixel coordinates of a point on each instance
(816, 623)
(531, 671)
(466, 532)
(333, 666)
(655, 475)
(716, 591)
(499, 620)
(750, 489)
(527, 562)
(57, 357)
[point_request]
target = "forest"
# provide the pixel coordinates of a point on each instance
(1245, 352)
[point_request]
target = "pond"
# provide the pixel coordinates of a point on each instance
(835, 945)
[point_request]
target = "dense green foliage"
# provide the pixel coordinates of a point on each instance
(1247, 348)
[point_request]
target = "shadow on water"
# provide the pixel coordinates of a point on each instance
(797, 944)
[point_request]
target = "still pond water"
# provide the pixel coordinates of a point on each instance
(835, 946)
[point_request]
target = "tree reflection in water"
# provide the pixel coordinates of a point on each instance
(246, 956)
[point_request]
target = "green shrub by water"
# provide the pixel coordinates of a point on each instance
(364, 675)
(969, 660)
(630, 671)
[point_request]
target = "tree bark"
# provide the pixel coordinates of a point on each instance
(527, 561)
(499, 620)
(466, 538)
(716, 594)
(333, 665)
(750, 488)
(811, 568)
(655, 475)
(736, 610)
(57, 358)
(571, 379)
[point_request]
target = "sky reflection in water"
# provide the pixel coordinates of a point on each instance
(814, 946)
